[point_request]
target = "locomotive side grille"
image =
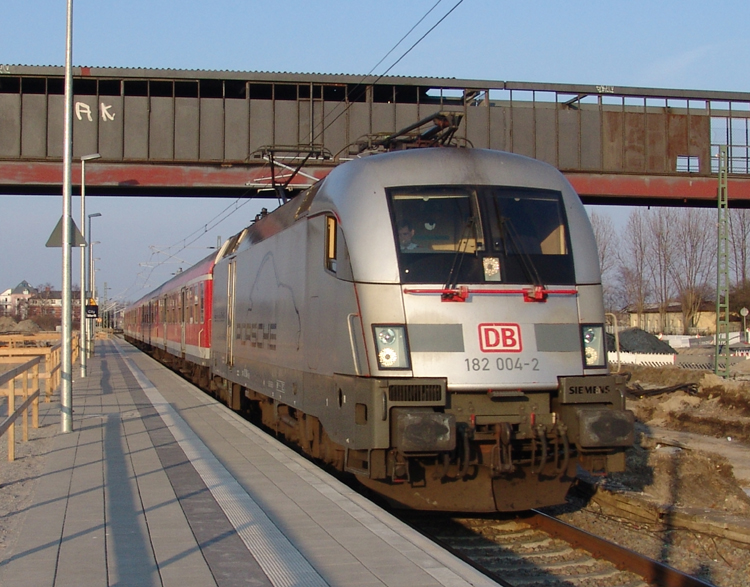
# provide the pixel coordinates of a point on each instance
(414, 393)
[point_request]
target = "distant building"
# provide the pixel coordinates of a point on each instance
(49, 303)
(650, 320)
(13, 302)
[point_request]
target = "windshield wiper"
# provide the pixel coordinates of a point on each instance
(508, 229)
(458, 257)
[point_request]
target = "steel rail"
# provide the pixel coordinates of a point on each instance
(625, 559)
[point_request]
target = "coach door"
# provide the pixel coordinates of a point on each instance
(183, 316)
(231, 278)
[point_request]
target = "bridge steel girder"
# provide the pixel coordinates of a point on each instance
(149, 179)
(205, 133)
(255, 180)
(651, 190)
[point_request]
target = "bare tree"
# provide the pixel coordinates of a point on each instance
(607, 243)
(739, 233)
(661, 246)
(693, 260)
(632, 257)
(606, 240)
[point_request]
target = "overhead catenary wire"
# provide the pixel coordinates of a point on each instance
(185, 242)
(146, 273)
(198, 233)
(382, 75)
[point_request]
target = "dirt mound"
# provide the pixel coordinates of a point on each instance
(673, 477)
(666, 376)
(718, 408)
(7, 324)
(637, 340)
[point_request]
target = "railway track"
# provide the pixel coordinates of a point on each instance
(538, 550)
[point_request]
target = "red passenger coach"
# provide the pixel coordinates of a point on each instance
(174, 321)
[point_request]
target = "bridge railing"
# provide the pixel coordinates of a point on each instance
(30, 400)
(50, 354)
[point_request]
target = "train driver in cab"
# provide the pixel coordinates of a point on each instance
(405, 236)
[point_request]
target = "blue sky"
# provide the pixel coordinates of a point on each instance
(665, 44)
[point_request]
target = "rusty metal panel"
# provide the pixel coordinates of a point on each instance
(319, 122)
(476, 126)
(286, 122)
(55, 120)
(261, 124)
(359, 120)
(10, 125)
(546, 133)
(305, 118)
(612, 140)
(34, 125)
(111, 124)
(635, 142)
(212, 129)
(499, 128)
(522, 129)
(408, 114)
(677, 136)
(699, 141)
(656, 145)
(591, 141)
(335, 133)
(236, 130)
(186, 123)
(85, 125)
(569, 138)
(135, 114)
(383, 118)
(161, 129)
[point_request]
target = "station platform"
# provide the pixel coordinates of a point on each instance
(159, 484)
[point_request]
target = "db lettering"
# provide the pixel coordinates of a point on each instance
(500, 338)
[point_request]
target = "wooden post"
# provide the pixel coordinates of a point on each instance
(35, 405)
(25, 415)
(56, 366)
(48, 369)
(12, 428)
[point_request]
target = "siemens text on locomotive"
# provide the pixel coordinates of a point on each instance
(428, 320)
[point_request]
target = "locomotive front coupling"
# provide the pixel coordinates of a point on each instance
(593, 409)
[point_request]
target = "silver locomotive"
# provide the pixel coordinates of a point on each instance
(431, 321)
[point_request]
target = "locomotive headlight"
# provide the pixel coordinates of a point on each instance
(387, 335)
(392, 347)
(593, 345)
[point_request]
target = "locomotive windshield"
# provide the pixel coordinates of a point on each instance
(480, 234)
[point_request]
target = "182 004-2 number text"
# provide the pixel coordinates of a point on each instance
(501, 364)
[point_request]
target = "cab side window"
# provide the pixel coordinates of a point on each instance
(331, 243)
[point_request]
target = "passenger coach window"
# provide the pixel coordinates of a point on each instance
(201, 302)
(478, 234)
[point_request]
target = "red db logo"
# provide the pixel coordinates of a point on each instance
(500, 338)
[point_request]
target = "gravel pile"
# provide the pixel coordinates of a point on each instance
(637, 340)
(27, 326)
(7, 324)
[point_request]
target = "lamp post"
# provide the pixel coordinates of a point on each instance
(93, 273)
(89, 290)
(83, 336)
(66, 357)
